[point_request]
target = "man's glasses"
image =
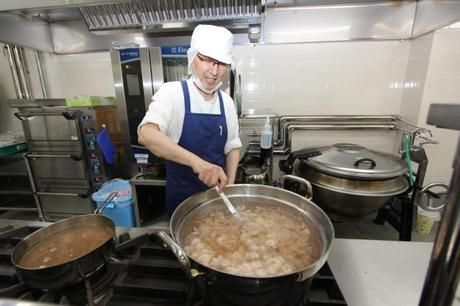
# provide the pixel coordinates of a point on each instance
(211, 62)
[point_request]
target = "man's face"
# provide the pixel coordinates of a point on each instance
(208, 70)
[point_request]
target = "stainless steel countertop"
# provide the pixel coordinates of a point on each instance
(368, 272)
(381, 273)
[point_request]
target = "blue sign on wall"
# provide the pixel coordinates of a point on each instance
(174, 51)
(129, 54)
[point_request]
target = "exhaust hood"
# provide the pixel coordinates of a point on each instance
(168, 15)
(148, 15)
(274, 21)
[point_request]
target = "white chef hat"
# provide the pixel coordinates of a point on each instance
(212, 41)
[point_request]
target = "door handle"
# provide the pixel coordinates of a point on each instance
(24, 117)
(81, 195)
(71, 156)
(68, 115)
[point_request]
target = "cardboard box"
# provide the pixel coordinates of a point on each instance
(90, 101)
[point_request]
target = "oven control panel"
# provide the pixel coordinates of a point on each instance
(94, 158)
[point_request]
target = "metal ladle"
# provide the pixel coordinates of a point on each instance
(229, 205)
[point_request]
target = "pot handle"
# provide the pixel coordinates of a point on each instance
(307, 184)
(106, 202)
(427, 188)
(368, 160)
(286, 165)
(179, 252)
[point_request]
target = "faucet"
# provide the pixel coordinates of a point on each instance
(420, 135)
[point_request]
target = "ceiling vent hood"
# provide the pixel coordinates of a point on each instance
(170, 15)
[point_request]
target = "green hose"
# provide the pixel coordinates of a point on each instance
(408, 161)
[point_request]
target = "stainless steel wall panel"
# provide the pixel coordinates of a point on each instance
(22, 31)
(121, 102)
(387, 20)
(74, 37)
(146, 76)
(432, 15)
(157, 70)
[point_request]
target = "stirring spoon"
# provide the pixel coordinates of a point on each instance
(229, 205)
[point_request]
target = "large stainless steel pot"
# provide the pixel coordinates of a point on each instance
(349, 181)
(221, 288)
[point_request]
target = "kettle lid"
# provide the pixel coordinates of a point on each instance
(355, 161)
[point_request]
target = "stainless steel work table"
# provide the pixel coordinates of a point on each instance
(144, 179)
(377, 272)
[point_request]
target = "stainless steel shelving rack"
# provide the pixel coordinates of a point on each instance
(15, 189)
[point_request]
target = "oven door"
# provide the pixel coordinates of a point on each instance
(57, 171)
(64, 203)
(52, 131)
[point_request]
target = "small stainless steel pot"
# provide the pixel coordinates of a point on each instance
(71, 271)
(62, 275)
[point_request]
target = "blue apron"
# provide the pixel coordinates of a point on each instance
(204, 135)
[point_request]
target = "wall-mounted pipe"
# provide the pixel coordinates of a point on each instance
(284, 126)
(38, 62)
(18, 59)
(14, 71)
(285, 121)
(286, 149)
(25, 69)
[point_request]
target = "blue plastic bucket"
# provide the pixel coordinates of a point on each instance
(120, 209)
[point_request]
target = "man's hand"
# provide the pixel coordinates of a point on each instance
(210, 174)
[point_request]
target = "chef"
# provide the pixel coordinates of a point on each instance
(192, 124)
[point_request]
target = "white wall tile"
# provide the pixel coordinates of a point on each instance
(441, 86)
(417, 67)
(327, 79)
(323, 78)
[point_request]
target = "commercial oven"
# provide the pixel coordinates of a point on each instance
(65, 163)
(138, 73)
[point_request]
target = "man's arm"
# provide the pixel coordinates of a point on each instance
(162, 146)
(232, 160)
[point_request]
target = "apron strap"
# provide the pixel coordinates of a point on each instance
(186, 96)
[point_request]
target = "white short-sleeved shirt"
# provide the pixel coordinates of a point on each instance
(167, 110)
